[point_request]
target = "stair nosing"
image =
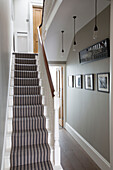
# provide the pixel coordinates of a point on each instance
(25, 59)
(28, 105)
(25, 64)
(25, 78)
(26, 86)
(26, 131)
(28, 95)
(25, 71)
(24, 147)
(30, 117)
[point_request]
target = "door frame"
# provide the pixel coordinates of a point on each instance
(64, 91)
(31, 5)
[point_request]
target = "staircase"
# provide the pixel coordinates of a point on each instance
(31, 138)
(30, 148)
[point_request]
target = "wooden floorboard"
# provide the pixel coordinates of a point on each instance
(73, 157)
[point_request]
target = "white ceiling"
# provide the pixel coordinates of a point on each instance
(63, 20)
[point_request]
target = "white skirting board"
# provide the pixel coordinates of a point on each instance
(94, 154)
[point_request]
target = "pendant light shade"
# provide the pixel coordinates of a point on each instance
(62, 52)
(95, 31)
(74, 43)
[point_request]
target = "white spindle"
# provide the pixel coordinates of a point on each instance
(56, 130)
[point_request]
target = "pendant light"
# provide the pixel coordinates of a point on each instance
(95, 31)
(62, 52)
(74, 43)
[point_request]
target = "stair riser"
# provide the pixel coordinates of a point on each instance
(26, 68)
(27, 64)
(20, 74)
(26, 82)
(25, 74)
(30, 157)
(21, 61)
(26, 56)
(25, 139)
(31, 100)
(20, 82)
(28, 111)
(29, 139)
(29, 124)
(27, 90)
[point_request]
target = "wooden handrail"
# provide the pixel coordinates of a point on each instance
(42, 14)
(44, 54)
(46, 65)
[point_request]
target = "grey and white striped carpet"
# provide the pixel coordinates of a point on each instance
(30, 149)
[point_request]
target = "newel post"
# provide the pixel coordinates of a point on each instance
(56, 130)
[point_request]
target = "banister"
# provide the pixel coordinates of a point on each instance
(46, 64)
(42, 14)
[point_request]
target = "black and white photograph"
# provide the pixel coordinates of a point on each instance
(89, 81)
(78, 81)
(71, 81)
(103, 82)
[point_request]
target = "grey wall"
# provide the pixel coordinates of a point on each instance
(88, 111)
(5, 53)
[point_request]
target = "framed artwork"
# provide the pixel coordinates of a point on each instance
(71, 81)
(78, 82)
(89, 81)
(95, 52)
(103, 82)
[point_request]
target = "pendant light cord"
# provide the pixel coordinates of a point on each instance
(62, 42)
(74, 31)
(96, 12)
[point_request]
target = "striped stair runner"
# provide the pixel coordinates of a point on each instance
(30, 148)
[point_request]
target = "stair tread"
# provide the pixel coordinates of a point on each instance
(31, 137)
(25, 61)
(27, 90)
(23, 106)
(27, 86)
(30, 154)
(32, 117)
(25, 78)
(29, 131)
(26, 71)
(25, 58)
(46, 165)
(31, 65)
(27, 95)
(28, 123)
(26, 148)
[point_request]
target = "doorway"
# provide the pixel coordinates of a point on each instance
(37, 18)
(57, 74)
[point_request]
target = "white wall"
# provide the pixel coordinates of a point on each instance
(6, 37)
(22, 13)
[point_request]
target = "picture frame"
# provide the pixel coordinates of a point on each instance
(78, 82)
(89, 81)
(103, 82)
(98, 51)
(71, 81)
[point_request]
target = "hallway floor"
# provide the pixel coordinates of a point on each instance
(73, 157)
